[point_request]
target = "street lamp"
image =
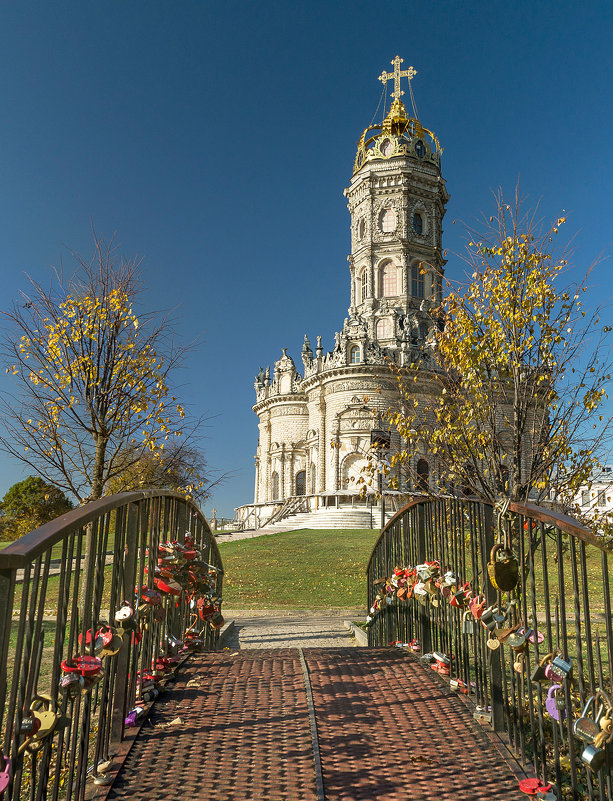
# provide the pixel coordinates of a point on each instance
(379, 443)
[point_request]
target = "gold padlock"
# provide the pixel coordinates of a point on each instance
(503, 568)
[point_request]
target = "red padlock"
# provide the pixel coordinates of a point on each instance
(87, 666)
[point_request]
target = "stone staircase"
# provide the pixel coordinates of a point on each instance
(345, 517)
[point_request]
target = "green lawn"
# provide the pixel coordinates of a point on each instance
(307, 569)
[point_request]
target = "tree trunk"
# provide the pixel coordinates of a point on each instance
(98, 474)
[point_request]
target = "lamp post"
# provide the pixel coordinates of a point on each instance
(379, 443)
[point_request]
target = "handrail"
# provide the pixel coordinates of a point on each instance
(556, 606)
(35, 542)
(137, 586)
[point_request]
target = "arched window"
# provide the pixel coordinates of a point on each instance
(275, 486)
(301, 482)
(361, 228)
(417, 281)
(420, 150)
(423, 330)
(384, 328)
(418, 224)
(423, 475)
(388, 280)
(387, 220)
(354, 355)
(363, 285)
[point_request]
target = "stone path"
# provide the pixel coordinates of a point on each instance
(291, 629)
(236, 728)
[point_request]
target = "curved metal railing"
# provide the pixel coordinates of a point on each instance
(509, 652)
(96, 607)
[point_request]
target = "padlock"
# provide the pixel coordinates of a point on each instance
(593, 757)
(5, 772)
(517, 640)
(450, 579)
(477, 606)
(588, 728)
(72, 684)
(551, 704)
(492, 642)
(460, 597)
(468, 626)
(539, 674)
(217, 621)
(29, 726)
(134, 716)
(518, 665)
(98, 641)
(86, 665)
(560, 668)
(487, 618)
(502, 569)
(594, 754)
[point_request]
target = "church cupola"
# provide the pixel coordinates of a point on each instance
(397, 200)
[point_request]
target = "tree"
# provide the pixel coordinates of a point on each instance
(176, 469)
(92, 378)
(28, 504)
(522, 370)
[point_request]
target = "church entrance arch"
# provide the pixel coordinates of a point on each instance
(301, 482)
(351, 470)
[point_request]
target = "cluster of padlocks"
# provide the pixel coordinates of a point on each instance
(429, 585)
(181, 578)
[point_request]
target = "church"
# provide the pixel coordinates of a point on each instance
(315, 423)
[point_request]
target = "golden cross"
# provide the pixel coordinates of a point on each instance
(397, 74)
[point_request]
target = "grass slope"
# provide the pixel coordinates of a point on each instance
(307, 569)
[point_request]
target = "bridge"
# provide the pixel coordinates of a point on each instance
(487, 672)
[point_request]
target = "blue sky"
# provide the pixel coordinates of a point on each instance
(215, 139)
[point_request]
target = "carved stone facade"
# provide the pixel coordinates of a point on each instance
(314, 427)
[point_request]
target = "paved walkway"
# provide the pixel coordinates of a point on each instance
(236, 728)
(291, 629)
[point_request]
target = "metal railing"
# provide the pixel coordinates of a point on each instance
(531, 659)
(95, 608)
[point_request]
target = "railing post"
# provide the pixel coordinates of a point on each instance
(495, 656)
(7, 589)
(425, 634)
(123, 657)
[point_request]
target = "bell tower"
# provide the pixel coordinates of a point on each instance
(397, 200)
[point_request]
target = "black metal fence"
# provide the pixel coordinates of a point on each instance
(534, 656)
(96, 608)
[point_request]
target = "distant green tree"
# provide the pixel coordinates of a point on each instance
(28, 504)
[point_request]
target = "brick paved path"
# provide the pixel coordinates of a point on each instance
(388, 729)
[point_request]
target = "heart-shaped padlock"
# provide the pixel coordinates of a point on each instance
(5, 772)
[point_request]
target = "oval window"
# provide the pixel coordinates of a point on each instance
(387, 148)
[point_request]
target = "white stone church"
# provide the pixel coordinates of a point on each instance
(315, 425)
